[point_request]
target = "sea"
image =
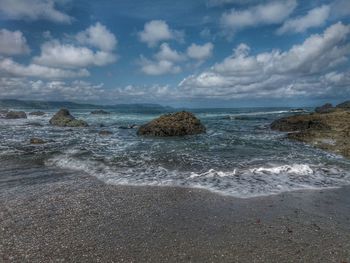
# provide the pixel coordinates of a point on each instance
(239, 155)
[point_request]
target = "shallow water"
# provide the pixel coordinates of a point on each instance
(239, 155)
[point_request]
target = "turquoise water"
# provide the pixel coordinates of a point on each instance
(239, 155)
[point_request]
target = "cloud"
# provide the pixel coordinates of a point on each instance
(77, 90)
(56, 54)
(98, 36)
(314, 18)
(168, 61)
(156, 31)
(166, 53)
(13, 43)
(8, 67)
(158, 67)
(303, 70)
(33, 10)
(23, 88)
(263, 14)
(200, 52)
(163, 62)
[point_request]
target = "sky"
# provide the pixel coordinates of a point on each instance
(198, 53)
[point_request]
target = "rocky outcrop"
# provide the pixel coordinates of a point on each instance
(326, 108)
(37, 113)
(37, 141)
(63, 118)
(328, 131)
(176, 124)
(16, 115)
(344, 105)
(99, 112)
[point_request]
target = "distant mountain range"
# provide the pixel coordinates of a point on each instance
(42, 105)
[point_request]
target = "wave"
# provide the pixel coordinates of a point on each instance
(242, 182)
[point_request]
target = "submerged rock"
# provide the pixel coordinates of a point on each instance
(16, 115)
(3, 113)
(176, 124)
(326, 108)
(132, 126)
(328, 131)
(37, 141)
(105, 133)
(64, 119)
(37, 113)
(101, 112)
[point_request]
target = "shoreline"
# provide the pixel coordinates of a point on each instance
(79, 218)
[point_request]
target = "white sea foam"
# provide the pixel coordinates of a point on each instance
(239, 182)
(298, 169)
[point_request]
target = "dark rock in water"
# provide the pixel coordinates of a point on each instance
(133, 126)
(328, 131)
(16, 115)
(3, 113)
(102, 112)
(105, 133)
(248, 118)
(37, 141)
(344, 105)
(298, 123)
(34, 124)
(37, 113)
(176, 124)
(64, 119)
(326, 108)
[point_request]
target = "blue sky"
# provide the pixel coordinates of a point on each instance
(203, 53)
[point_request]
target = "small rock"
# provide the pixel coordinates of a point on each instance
(37, 141)
(96, 112)
(37, 113)
(63, 118)
(133, 126)
(105, 133)
(16, 115)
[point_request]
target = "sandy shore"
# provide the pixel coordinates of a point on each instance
(80, 219)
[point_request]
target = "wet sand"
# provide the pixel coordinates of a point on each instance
(61, 216)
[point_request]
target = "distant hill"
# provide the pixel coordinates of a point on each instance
(42, 105)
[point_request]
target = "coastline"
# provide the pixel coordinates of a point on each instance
(79, 218)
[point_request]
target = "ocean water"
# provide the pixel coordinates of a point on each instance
(238, 156)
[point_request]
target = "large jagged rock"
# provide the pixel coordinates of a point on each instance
(326, 108)
(64, 119)
(328, 131)
(16, 115)
(176, 124)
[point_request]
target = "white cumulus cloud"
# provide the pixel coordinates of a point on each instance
(156, 31)
(56, 54)
(8, 67)
(314, 18)
(13, 43)
(200, 52)
(300, 71)
(33, 10)
(98, 36)
(264, 14)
